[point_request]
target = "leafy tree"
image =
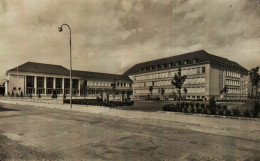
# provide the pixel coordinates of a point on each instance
(151, 90)
(178, 81)
(163, 92)
(185, 90)
(224, 90)
(254, 79)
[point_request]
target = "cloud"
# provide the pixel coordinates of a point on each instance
(111, 36)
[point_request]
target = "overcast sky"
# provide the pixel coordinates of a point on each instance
(113, 35)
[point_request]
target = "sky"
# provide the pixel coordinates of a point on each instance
(111, 36)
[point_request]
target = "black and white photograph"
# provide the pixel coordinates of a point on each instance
(130, 80)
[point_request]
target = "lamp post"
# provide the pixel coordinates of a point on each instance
(60, 29)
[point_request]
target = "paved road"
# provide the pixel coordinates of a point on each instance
(36, 133)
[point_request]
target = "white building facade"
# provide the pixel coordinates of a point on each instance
(206, 76)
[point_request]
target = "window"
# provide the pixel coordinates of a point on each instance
(195, 60)
(171, 64)
(186, 61)
(203, 69)
(66, 83)
(49, 82)
(75, 83)
(40, 82)
(29, 81)
(19, 88)
(14, 88)
(58, 82)
(178, 63)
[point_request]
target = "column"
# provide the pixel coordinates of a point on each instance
(63, 89)
(35, 85)
(79, 86)
(25, 85)
(45, 86)
(54, 83)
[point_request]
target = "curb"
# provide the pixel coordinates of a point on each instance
(215, 116)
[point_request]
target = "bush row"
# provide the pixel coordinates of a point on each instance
(97, 102)
(213, 110)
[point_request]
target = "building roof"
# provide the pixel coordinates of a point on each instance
(32, 67)
(201, 56)
(87, 74)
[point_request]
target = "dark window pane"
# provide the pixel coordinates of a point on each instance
(58, 82)
(40, 82)
(75, 83)
(49, 82)
(29, 81)
(66, 83)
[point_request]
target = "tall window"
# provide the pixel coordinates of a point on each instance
(49, 82)
(66, 83)
(40, 82)
(203, 69)
(75, 83)
(58, 82)
(29, 81)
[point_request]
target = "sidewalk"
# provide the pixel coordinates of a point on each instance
(247, 129)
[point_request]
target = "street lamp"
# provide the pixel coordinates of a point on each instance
(60, 29)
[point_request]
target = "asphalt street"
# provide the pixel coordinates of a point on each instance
(36, 133)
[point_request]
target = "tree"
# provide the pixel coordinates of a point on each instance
(178, 81)
(163, 92)
(114, 89)
(224, 90)
(254, 79)
(151, 90)
(185, 90)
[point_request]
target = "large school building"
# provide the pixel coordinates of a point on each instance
(207, 75)
(43, 79)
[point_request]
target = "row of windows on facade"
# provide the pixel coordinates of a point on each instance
(167, 65)
(233, 74)
(237, 91)
(235, 82)
(199, 80)
(102, 83)
(75, 83)
(190, 71)
(171, 90)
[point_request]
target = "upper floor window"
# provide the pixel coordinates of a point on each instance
(178, 63)
(195, 60)
(203, 69)
(171, 64)
(186, 61)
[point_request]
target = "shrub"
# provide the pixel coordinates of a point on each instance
(246, 113)
(197, 105)
(207, 107)
(236, 112)
(21, 94)
(213, 111)
(220, 112)
(202, 106)
(224, 107)
(30, 95)
(212, 102)
(198, 110)
(192, 109)
(227, 112)
(219, 107)
(16, 95)
(64, 96)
